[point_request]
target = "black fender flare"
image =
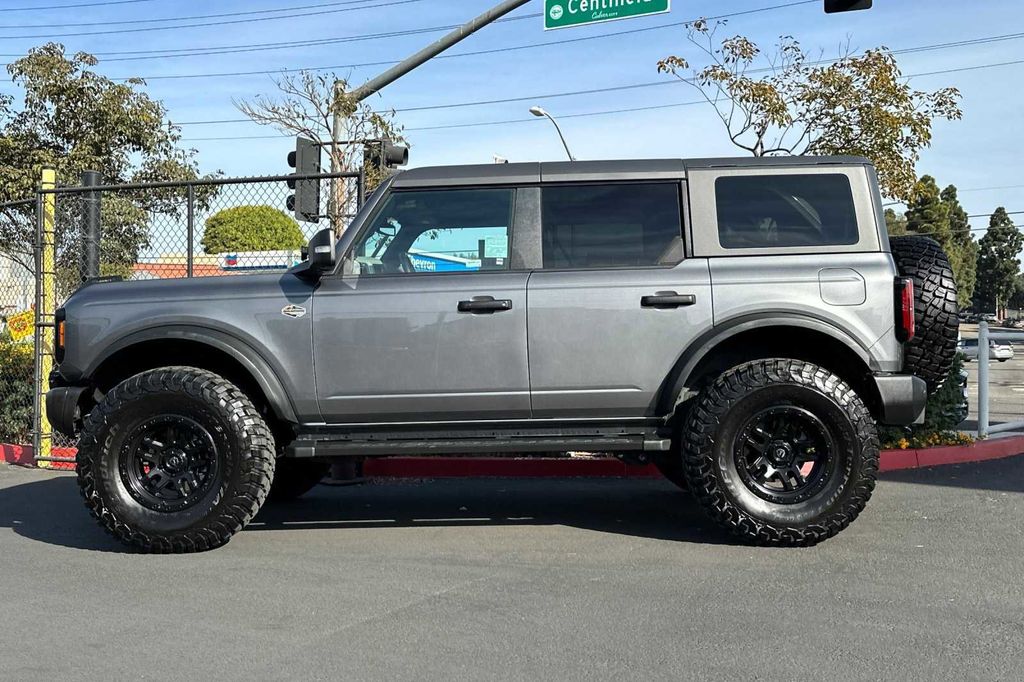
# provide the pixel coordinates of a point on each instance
(675, 388)
(247, 356)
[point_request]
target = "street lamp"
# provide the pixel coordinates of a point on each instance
(540, 113)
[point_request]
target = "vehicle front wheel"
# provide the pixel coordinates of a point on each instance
(176, 459)
(780, 452)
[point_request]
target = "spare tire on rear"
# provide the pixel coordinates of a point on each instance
(930, 353)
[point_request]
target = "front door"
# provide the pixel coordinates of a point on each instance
(431, 324)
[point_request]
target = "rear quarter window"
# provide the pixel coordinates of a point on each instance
(792, 210)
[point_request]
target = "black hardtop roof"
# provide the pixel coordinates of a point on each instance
(588, 171)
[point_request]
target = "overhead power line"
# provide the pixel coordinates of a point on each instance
(259, 72)
(250, 20)
(985, 189)
(989, 215)
(194, 17)
(261, 47)
(72, 6)
(522, 99)
(478, 124)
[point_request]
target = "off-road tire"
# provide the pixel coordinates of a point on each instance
(293, 478)
(710, 436)
(243, 446)
(929, 355)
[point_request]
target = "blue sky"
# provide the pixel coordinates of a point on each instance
(982, 151)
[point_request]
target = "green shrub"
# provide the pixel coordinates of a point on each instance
(251, 228)
(941, 420)
(16, 392)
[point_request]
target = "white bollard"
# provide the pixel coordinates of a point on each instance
(982, 379)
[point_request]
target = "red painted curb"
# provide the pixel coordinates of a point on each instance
(508, 467)
(23, 455)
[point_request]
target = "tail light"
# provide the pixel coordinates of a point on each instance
(904, 309)
(58, 334)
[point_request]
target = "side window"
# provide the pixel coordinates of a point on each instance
(438, 231)
(758, 211)
(625, 225)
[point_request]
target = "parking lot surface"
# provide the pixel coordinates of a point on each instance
(1006, 379)
(523, 579)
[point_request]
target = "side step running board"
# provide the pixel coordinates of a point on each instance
(324, 447)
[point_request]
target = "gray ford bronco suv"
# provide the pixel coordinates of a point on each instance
(742, 323)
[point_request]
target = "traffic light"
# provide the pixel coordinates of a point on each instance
(305, 203)
(384, 154)
(833, 6)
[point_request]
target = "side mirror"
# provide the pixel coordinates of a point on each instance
(321, 254)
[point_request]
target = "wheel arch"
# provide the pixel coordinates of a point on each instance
(757, 337)
(208, 349)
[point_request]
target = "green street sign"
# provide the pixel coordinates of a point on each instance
(566, 13)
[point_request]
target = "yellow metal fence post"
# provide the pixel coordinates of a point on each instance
(45, 315)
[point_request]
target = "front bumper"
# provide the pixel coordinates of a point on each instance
(63, 408)
(903, 398)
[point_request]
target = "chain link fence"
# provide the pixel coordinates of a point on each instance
(17, 320)
(205, 228)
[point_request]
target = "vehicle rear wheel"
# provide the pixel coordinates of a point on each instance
(293, 478)
(176, 459)
(929, 354)
(780, 452)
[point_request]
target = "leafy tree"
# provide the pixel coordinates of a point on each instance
(895, 223)
(306, 105)
(998, 262)
(964, 249)
(1017, 299)
(251, 228)
(857, 104)
(73, 119)
(932, 214)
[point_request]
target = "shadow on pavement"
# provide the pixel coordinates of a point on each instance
(635, 507)
(50, 509)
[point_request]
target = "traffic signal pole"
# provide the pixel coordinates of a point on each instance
(394, 73)
(426, 54)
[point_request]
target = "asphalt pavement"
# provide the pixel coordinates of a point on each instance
(523, 579)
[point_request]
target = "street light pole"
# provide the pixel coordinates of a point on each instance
(537, 111)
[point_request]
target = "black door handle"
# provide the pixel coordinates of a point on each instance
(485, 305)
(668, 299)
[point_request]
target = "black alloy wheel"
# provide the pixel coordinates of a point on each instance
(169, 463)
(784, 454)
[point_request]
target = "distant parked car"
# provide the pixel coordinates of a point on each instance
(996, 351)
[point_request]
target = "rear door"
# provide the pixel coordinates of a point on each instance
(615, 303)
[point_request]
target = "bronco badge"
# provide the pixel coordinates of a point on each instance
(295, 311)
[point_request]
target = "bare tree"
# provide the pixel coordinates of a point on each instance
(310, 103)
